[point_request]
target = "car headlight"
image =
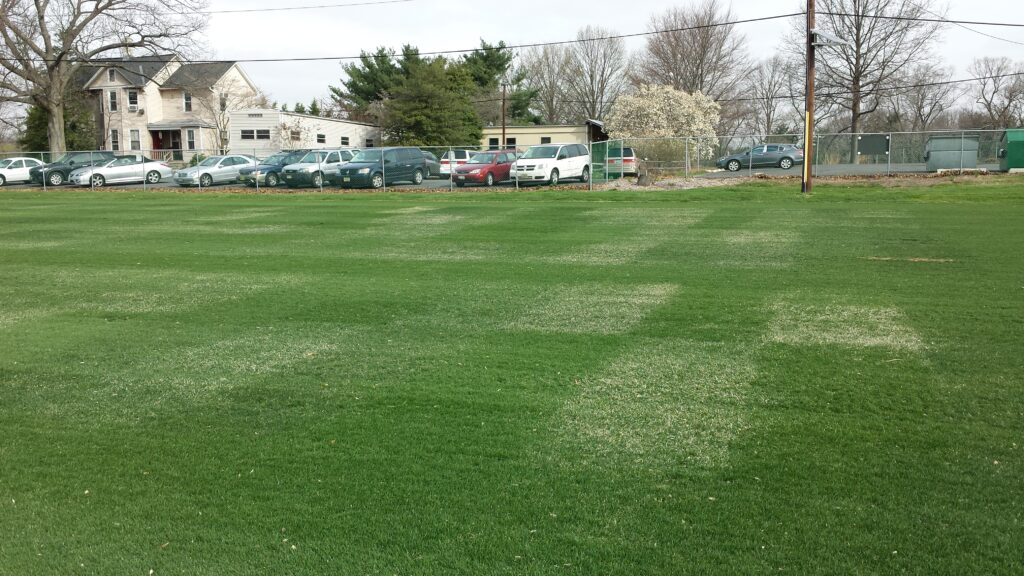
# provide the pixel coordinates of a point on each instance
(256, 173)
(476, 171)
(364, 170)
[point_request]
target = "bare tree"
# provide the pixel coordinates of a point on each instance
(597, 72)
(214, 104)
(44, 42)
(856, 78)
(546, 68)
(768, 86)
(927, 96)
(999, 90)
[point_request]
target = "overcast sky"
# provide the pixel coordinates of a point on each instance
(458, 24)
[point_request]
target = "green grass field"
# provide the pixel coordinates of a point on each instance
(729, 381)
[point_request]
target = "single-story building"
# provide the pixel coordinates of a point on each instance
(263, 131)
(533, 134)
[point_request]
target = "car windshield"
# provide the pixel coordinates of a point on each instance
(5, 163)
(482, 159)
(367, 156)
(541, 152)
(313, 158)
(621, 153)
(211, 161)
(280, 159)
(63, 159)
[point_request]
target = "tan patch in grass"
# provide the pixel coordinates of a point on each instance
(442, 253)
(757, 249)
(606, 254)
(648, 216)
(417, 224)
(594, 308)
(33, 244)
(412, 210)
(663, 401)
(246, 214)
(9, 318)
(857, 326)
(894, 259)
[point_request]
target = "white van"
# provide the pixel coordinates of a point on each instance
(553, 163)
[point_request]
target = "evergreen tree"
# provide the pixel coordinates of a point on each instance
(314, 108)
(371, 80)
(433, 106)
(79, 125)
(300, 108)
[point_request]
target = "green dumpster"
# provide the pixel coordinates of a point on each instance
(1011, 150)
(951, 153)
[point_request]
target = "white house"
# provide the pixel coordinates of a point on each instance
(533, 134)
(164, 107)
(261, 131)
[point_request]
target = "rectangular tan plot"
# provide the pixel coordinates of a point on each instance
(594, 308)
(844, 325)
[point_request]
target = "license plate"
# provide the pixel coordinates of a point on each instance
(288, 176)
(462, 177)
(346, 179)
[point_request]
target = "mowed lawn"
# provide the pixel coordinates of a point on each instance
(733, 381)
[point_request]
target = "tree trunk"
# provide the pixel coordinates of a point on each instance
(55, 129)
(855, 126)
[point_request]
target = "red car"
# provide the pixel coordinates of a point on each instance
(486, 168)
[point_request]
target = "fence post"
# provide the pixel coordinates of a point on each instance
(383, 172)
(144, 173)
(255, 173)
(697, 151)
(92, 165)
(590, 165)
(451, 169)
(961, 152)
(888, 155)
(686, 155)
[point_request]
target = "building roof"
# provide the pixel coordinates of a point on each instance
(138, 70)
(178, 125)
(203, 75)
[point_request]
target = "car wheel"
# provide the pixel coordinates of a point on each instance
(272, 180)
(153, 177)
(377, 181)
(2, 180)
(585, 177)
(55, 178)
(318, 180)
(733, 165)
(554, 177)
(206, 180)
(97, 180)
(490, 179)
(786, 163)
(417, 177)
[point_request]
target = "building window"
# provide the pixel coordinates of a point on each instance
(188, 102)
(115, 143)
(344, 140)
(255, 115)
(136, 142)
(133, 100)
(369, 142)
(545, 139)
(112, 96)
(296, 135)
(321, 139)
(110, 75)
(510, 141)
(248, 134)
(263, 134)
(492, 143)
(190, 139)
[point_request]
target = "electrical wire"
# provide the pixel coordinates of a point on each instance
(290, 8)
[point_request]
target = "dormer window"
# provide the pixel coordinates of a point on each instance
(188, 102)
(110, 75)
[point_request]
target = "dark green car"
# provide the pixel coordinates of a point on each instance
(374, 167)
(56, 172)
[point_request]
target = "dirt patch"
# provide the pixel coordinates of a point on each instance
(893, 259)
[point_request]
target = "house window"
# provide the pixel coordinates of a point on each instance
(263, 134)
(321, 139)
(110, 75)
(344, 140)
(492, 143)
(112, 96)
(510, 141)
(248, 134)
(190, 139)
(188, 102)
(369, 142)
(115, 143)
(545, 139)
(133, 100)
(255, 115)
(295, 135)
(136, 142)
(223, 103)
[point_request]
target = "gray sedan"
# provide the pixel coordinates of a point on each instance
(120, 170)
(766, 155)
(213, 170)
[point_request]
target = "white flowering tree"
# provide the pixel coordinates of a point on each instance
(664, 112)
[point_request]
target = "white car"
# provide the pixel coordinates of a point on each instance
(315, 168)
(452, 159)
(16, 169)
(120, 170)
(213, 170)
(552, 163)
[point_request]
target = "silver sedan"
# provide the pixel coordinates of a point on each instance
(121, 170)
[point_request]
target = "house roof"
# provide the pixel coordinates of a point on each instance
(137, 70)
(191, 75)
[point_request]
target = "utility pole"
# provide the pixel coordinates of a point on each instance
(503, 140)
(805, 181)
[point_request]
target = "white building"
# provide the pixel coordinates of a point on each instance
(519, 136)
(261, 131)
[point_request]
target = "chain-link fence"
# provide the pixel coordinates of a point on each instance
(458, 167)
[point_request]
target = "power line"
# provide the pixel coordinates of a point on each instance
(940, 19)
(290, 8)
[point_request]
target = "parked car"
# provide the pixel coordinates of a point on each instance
(764, 155)
(374, 167)
(17, 169)
(122, 169)
(622, 162)
(433, 164)
(486, 168)
(214, 170)
(268, 171)
(457, 157)
(56, 173)
(553, 162)
(314, 168)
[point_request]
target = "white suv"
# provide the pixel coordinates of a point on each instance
(552, 163)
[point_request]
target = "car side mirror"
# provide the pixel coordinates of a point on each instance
(563, 156)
